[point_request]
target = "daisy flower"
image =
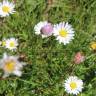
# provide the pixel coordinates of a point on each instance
(11, 44)
(93, 45)
(11, 65)
(73, 85)
(64, 32)
(44, 29)
(6, 8)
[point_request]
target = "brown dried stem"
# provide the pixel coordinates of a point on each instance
(49, 4)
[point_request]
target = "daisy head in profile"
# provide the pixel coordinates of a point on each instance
(44, 29)
(79, 58)
(63, 32)
(73, 85)
(11, 43)
(6, 8)
(11, 65)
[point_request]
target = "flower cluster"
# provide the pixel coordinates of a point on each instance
(9, 64)
(63, 31)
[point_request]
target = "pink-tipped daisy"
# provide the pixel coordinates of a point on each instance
(44, 29)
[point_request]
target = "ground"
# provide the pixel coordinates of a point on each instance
(48, 62)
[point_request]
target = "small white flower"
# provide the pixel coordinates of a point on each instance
(11, 65)
(11, 44)
(73, 85)
(6, 8)
(64, 32)
(44, 29)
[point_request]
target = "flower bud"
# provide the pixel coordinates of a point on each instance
(47, 29)
(79, 58)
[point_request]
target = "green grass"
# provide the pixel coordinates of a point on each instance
(49, 63)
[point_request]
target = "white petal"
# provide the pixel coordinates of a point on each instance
(5, 56)
(18, 73)
(5, 75)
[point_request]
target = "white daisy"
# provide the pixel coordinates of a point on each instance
(6, 8)
(64, 32)
(73, 85)
(11, 44)
(11, 65)
(44, 29)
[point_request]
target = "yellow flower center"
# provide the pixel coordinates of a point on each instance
(12, 44)
(93, 46)
(63, 33)
(73, 85)
(9, 66)
(6, 9)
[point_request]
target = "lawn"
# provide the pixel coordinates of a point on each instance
(49, 63)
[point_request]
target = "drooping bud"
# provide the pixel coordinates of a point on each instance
(79, 58)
